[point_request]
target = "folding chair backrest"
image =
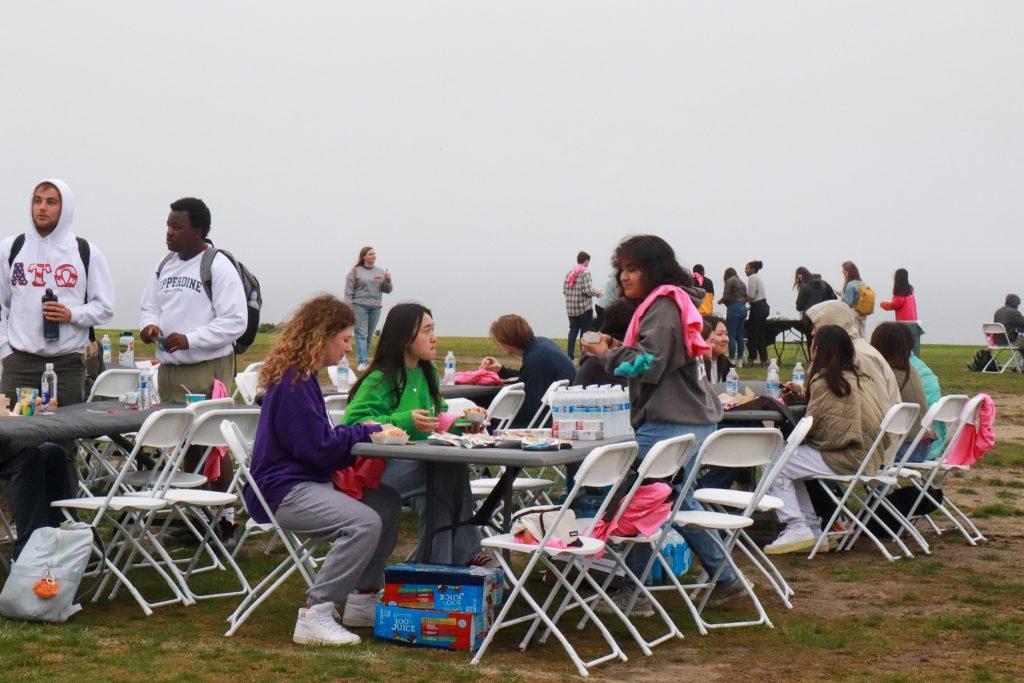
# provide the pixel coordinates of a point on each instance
(206, 429)
(741, 447)
(606, 465)
(506, 404)
(200, 408)
(247, 383)
(543, 413)
(663, 461)
(113, 383)
(947, 411)
(235, 442)
(459, 405)
(968, 416)
(995, 335)
(336, 402)
(897, 423)
(165, 428)
(254, 367)
(795, 440)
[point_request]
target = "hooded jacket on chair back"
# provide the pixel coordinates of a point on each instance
(869, 360)
(52, 262)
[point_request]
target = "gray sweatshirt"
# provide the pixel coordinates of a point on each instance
(665, 382)
(365, 286)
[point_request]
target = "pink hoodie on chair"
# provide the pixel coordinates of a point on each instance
(972, 443)
(211, 468)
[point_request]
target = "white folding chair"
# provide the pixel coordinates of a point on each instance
(896, 425)
(720, 500)
(254, 367)
(298, 556)
(246, 386)
(336, 405)
(604, 466)
(96, 453)
(664, 461)
(506, 404)
(938, 470)
(730, 447)
(459, 405)
(543, 414)
(998, 343)
(164, 429)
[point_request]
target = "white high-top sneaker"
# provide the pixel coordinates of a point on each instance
(316, 626)
(360, 610)
(792, 540)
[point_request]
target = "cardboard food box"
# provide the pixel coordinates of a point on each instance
(474, 590)
(430, 628)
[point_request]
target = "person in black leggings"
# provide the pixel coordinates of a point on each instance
(757, 341)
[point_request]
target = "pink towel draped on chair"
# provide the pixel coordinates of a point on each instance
(973, 443)
(211, 469)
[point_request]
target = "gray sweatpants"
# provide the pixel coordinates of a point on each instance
(362, 535)
(454, 503)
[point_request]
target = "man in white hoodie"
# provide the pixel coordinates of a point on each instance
(48, 256)
(194, 329)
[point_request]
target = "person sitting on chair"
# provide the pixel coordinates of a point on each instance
(1010, 317)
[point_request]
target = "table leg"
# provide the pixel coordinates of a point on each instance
(426, 551)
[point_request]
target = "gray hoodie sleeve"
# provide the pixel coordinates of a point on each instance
(350, 286)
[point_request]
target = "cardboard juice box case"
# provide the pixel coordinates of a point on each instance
(473, 590)
(430, 628)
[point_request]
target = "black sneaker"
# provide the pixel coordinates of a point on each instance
(225, 531)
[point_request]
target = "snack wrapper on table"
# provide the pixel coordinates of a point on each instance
(729, 402)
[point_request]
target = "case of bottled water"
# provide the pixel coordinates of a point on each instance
(590, 413)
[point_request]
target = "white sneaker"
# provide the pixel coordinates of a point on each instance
(360, 610)
(361, 367)
(792, 540)
(316, 626)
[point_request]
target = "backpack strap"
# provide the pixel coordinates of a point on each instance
(206, 270)
(16, 246)
(160, 266)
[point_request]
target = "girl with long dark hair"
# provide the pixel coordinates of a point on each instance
(757, 339)
(663, 362)
(401, 387)
(365, 287)
(848, 407)
(904, 305)
(295, 453)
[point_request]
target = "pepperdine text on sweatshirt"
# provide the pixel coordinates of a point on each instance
(175, 301)
(52, 262)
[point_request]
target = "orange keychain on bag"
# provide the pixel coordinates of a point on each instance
(46, 587)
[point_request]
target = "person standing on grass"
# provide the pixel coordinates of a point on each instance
(194, 331)
(734, 296)
(705, 283)
(48, 256)
(609, 296)
(668, 389)
(365, 287)
(757, 339)
(578, 288)
(852, 284)
(296, 451)
(904, 305)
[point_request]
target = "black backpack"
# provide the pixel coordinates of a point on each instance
(84, 252)
(250, 285)
(981, 360)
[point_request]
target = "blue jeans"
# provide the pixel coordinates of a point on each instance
(366, 324)
(736, 323)
(710, 554)
(920, 453)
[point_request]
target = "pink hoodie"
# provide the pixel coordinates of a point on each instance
(972, 443)
(693, 323)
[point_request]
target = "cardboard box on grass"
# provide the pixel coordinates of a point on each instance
(475, 590)
(430, 628)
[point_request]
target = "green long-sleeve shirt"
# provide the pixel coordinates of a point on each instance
(376, 402)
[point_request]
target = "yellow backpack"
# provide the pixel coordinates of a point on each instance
(865, 300)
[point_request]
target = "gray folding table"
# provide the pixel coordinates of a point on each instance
(512, 459)
(80, 421)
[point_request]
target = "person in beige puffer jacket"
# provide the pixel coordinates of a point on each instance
(848, 404)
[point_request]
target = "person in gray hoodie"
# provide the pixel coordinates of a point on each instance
(668, 389)
(365, 287)
(1010, 317)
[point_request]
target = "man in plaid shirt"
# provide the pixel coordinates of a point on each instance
(578, 288)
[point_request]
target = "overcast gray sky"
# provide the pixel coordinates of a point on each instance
(478, 146)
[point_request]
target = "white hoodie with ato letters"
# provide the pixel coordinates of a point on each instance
(52, 262)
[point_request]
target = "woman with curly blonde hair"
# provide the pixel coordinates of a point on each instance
(296, 450)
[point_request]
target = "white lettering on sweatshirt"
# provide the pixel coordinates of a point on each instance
(175, 301)
(52, 262)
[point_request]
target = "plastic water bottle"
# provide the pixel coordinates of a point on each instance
(798, 374)
(343, 374)
(449, 370)
(732, 383)
(48, 386)
(774, 390)
(145, 398)
(126, 357)
(105, 345)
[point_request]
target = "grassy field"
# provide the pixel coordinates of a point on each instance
(957, 614)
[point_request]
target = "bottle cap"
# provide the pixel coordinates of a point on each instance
(49, 366)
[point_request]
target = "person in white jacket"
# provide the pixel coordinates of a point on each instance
(48, 256)
(194, 331)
